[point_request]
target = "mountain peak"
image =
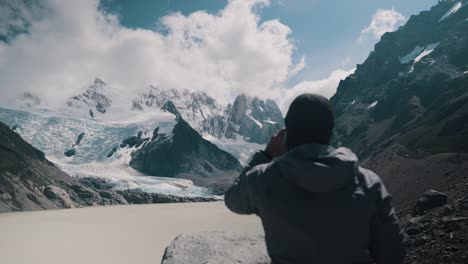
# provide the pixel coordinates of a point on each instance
(95, 98)
(99, 82)
(30, 99)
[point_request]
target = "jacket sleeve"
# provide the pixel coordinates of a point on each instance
(240, 198)
(388, 245)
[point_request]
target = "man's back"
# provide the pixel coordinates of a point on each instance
(318, 206)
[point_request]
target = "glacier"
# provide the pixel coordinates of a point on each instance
(54, 133)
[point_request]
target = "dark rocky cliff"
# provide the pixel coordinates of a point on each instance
(405, 109)
(185, 154)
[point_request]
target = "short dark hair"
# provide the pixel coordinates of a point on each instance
(310, 119)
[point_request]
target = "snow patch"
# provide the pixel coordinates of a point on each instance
(239, 148)
(412, 55)
(451, 11)
(373, 105)
(270, 122)
(418, 54)
(428, 50)
(258, 123)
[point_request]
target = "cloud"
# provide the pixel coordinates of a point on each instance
(14, 16)
(326, 87)
(298, 67)
(70, 43)
(382, 21)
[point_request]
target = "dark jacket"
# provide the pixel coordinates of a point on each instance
(318, 206)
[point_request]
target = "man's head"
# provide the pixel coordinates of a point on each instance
(310, 119)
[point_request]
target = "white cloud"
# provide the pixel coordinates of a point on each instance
(298, 67)
(223, 54)
(382, 21)
(326, 87)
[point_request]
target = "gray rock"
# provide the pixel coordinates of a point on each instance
(69, 152)
(444, 210)
(79, 138)
(430, 199)
(217, 248)
(412, 231)
(55, 193)
(420, 241)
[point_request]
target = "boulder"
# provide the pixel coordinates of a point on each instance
(429, 200)
(56, 193)
(84, 192)
(79, 138)
(444, 211)
(136, 197)
(69, 152)
(217, 247)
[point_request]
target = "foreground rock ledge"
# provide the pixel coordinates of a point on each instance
(217, 248)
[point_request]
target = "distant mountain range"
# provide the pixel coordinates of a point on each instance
(152, 142)
(247, 118)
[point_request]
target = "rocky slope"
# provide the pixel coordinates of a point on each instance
(405, 109)
(28, 181)
(185, 154)
(438, 234)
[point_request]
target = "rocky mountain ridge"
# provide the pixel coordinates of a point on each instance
(249, 118)
(185, 154)
(405, 109)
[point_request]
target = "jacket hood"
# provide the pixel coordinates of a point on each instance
(319, 168)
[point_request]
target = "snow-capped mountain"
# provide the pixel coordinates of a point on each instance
(98, 133)
(200, 110)
(248, 118)
(254, 119)
(96, 99)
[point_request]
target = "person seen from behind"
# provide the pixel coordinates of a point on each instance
(316, 204)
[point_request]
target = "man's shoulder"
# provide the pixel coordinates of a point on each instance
(262, 169)
(369, 178)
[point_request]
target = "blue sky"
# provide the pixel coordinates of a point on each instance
(325, 32)
(273, 49)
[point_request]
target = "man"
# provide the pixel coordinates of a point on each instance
(315, 202)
